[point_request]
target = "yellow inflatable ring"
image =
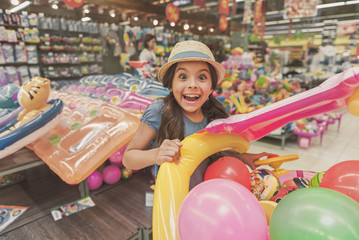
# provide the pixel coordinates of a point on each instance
(172, 182)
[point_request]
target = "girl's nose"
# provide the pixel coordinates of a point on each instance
(192, 83)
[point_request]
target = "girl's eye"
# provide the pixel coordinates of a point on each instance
(202, 77)
(182, 76)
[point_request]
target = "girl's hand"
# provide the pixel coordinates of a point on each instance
(169, 151)
(250, 158)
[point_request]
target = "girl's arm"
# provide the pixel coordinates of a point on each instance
(137, 157)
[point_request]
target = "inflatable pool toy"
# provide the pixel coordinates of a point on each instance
(89, 132)
(235, 132)
(36, 118)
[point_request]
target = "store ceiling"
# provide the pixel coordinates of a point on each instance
(207, 17)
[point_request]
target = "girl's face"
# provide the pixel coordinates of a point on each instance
(191, 86)
(151, 44)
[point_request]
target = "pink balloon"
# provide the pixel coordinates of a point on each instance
(116, 158)
(111, 174)
(221, 209)
(95, 180)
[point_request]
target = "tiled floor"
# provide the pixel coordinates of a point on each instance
(336, 147)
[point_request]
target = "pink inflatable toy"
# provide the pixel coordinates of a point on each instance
(95, 180)
(333, 94)
(111, 174)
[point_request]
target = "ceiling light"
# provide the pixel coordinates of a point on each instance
(351, 2)
(155, 22)
(329, 5)
(86, 19)
(186, 27)
(135, 19)
(86, 10)
(200, 28)
(20, 6)
(55, 6)
(112, 13)
(14, 2)
(211, 29)
(172, 24)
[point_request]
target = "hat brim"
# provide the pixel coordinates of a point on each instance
(217, 66)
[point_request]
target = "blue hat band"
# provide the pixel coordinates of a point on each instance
(190, 54)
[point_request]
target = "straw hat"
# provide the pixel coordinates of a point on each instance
(191, 51)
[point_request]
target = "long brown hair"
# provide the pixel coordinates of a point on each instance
(172, 124)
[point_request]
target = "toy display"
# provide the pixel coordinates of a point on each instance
(235, 132)
(89, 132)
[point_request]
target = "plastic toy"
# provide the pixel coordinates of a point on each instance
(298, 182)
(282, 192)
(89, 132)
(263, 184)
(36, 118)
(221, 209)
(235, 132)
(316, 179)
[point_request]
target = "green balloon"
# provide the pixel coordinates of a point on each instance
(315, 214)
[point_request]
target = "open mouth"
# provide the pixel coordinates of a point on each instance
(191, 97)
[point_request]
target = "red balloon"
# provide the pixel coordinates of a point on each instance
(344, 178)
(229, 168)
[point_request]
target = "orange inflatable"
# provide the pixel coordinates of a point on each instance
(88, 133)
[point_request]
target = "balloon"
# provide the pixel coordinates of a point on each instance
(111, 174)
(172, 181)
(221, 209)
(229, 168)
(116, 158)
(344, 178)
(333, 94)
(126, 173)
(263, 183)
(316, 179)
(316, 214)
(95, 180)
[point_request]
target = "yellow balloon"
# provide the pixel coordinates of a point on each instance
(172, 183)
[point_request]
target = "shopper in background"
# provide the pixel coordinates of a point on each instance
(191, 74)
(219, 51)
(148, 54)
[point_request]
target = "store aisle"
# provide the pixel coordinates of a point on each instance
(336, 147)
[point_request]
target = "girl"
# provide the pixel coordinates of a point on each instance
(191, 74)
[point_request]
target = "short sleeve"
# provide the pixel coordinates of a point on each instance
(153, 113)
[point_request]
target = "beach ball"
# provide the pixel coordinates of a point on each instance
(126, 173)
(282, 192)
(344, 178)
(296, 182)
(111, 174)
(316, 179)
(229, 168)
(263, 183)
(221, 209)
(95, 180)
(315, 214)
